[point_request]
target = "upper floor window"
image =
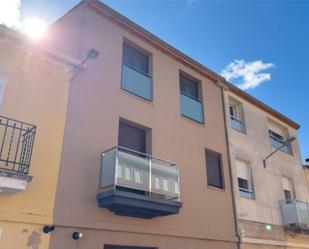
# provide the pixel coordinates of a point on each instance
(288, 189)
(191, 105)
(277, 136)
(135, 76)
(214, 169)
(236, 115)
(244, 178)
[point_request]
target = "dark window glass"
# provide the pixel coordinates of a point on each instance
(243, 183)
(135, 59)
(214, 169)
(189, 87)
(287, 195)
(132, 138)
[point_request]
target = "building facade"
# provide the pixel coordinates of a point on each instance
(270, 188)
(34, 88)
(138, 102)
(140, 148)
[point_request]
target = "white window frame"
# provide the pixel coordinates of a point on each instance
(246, 193)
(238, 117)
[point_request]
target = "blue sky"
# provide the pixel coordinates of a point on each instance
(273, 34)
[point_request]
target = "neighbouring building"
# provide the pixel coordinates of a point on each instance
(34, 86)
(270, 188)
(144, 159)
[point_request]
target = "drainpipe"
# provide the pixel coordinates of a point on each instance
(223, 88)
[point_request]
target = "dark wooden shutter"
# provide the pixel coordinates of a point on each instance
(131, 137)
(214, 170)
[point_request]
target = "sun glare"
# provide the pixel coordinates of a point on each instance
(34, 27)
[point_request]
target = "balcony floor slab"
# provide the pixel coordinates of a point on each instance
(136, 205)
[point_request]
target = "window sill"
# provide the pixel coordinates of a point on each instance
(192, 120)
(247, 197)
(216, 188)
(136, 96)
(239, 131)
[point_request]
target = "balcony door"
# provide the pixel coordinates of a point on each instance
(131, 137)
(133, 164)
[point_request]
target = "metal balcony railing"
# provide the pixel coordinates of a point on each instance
(16, 146)
(295, 213)
(139, 172)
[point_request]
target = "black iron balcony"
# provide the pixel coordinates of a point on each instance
(295, 215)
(137, 184)
(16, 146)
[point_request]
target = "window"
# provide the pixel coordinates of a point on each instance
(278, 134)
(214, 169)
(236, 115)
(288, 189)
(191, 105)
(135, 76)
(3, 80)
(244, 178)
(277, 141)
(132, 137)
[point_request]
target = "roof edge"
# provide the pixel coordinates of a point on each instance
(242, 94)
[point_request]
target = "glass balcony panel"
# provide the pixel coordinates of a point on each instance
(191, 108)
(129, 169)
(236, 124)
(303, 213)
(136, 82)
(108, 169)
(295, 212)
(133, 171)
(164, 179)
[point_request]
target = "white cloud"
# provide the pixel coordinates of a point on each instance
(249, 73)
(10, 13)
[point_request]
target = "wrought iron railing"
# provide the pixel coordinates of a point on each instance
(129, 169)
(17, 139)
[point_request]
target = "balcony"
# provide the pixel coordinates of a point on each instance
(136, 82)
(295, 215)
(17, 139)
(138, 185)
(191, 108)
(237, 124)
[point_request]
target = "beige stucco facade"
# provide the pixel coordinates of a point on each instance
(36, 92)
(251, 146)
(96, 103)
